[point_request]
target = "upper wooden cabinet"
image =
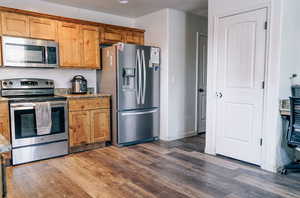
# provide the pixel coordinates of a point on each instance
(111, 35)
(15, 24)
(90, 47)
(78, 40)
(69, 38)
(132, 37)
(43, 28)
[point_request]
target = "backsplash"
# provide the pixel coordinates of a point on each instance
(61, 77)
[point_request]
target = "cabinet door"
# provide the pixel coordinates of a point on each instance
(15, 24)
(90, 47)
(100, 125)
(4, 120)
(42, 28)
(132, 37)
(69, 38)
(4, 127)
(141, 38)
(112, 35)
(79, 128)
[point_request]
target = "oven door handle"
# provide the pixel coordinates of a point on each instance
(32, 105)
(23, 105)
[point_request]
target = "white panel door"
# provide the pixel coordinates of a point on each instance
(202, 76)
(241, 66)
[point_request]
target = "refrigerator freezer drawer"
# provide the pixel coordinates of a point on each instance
(137, 126)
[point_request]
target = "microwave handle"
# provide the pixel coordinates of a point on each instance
(46, 55)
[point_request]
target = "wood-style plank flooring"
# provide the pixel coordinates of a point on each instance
(175, 169)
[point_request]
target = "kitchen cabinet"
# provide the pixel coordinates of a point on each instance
(90, 47)
(132, 37)
(78, 39)
(28, 26)
(142, 38)
(42, 28)
(79, 132)
(69, 39)
(78, 46)
(89, 121)
(4, 127)
(100, 125)
(111, 35)
(15, 24)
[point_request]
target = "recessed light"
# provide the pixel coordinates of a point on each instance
(123, 1)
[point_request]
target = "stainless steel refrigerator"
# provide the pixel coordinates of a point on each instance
(131, 73)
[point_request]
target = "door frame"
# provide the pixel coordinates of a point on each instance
(268, 161)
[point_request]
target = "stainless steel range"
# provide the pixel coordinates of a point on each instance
(26, 96)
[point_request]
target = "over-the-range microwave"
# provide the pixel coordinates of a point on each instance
(23, 52)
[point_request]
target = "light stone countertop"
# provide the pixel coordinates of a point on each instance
(77, 96)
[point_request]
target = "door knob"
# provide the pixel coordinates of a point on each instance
(219, 94)
(201, 90)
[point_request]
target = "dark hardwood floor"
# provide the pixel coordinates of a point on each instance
(162, 169)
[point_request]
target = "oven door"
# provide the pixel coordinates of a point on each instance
(21, 52)
(23, 124)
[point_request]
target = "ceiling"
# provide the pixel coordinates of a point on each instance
(136, 8)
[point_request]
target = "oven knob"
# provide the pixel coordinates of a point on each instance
(4, 83)
(51, 83)
(10, 83)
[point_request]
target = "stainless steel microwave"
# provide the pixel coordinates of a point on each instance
(22, 52)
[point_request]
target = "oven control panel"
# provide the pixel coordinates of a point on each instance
(28, 83)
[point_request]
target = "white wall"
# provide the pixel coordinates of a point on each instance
(60, 76)
(182, 72)
(271, 132)
(176, 35)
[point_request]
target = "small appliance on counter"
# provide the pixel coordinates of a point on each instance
(79, 85)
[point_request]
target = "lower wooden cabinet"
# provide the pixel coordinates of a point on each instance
(4, 128)
(79, 128)
(100, 125)
(91, 123)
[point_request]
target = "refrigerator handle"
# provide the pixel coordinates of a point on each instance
(145, 76)
(138, 77)
(139, 113)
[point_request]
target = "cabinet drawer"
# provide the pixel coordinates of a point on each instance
(89, 104)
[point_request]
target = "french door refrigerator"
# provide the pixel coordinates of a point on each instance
(131, 74)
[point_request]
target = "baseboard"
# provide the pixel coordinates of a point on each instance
(180, 136)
